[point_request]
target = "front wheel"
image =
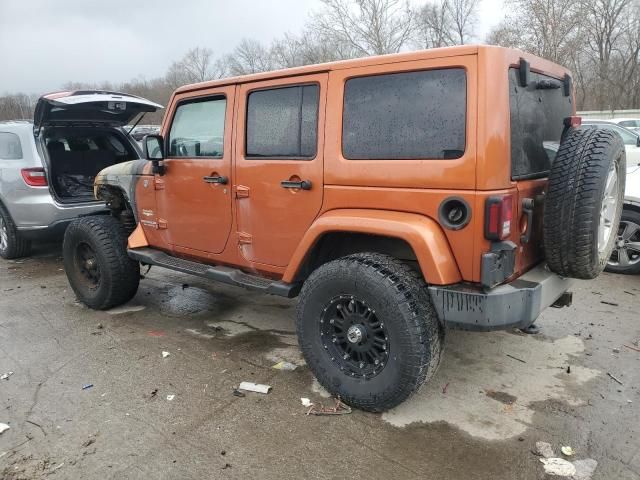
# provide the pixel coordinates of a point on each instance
(368, 331)
(626, 251)
(96, 262)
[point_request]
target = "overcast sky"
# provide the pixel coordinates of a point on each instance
(45, 43)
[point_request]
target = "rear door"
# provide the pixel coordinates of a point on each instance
(194, 195)
(279, 164)
(537, 121)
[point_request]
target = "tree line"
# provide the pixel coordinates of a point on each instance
(599, 40)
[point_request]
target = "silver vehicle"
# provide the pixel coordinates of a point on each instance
(47, 167)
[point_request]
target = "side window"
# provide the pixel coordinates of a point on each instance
(197, 129)
(283, 122)
(10, 148)
(413, 115)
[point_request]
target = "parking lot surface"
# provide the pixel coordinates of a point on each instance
(496, 394)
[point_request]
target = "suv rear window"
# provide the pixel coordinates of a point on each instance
(402, 116)
(537, 117)
(283, 122)
(10, 148)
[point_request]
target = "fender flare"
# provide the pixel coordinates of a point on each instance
(424, 235)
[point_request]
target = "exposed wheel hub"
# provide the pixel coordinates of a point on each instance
(87, 264)
(353, 337)
(626, 252)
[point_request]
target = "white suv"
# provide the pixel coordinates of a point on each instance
(47, 167)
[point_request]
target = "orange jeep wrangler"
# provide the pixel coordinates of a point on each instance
(397, 196)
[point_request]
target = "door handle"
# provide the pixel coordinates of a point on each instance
(219, 179)
(302, 184)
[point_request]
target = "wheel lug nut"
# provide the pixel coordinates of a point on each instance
(332, 321)
(361, 364)
(334, 339)
(376, 361)
(346, 356)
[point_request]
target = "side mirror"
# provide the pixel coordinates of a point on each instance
(153, 150)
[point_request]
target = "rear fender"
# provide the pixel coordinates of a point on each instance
(424, 235)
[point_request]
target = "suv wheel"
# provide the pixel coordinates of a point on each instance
(96, 262)
(626, 251)
(584, 202)
(368, 331)
(12, 245)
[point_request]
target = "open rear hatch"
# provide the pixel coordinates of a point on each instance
(90, 107)
(80, 132)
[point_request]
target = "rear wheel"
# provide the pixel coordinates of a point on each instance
(96, 262)
(12, 245)
(368, 330)
(626, 252)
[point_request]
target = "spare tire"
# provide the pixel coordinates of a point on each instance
(584, 202)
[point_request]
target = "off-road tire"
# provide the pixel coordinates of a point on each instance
(574, 200)
(16, 246)
(119, 275)
(629, 217)
(399, 297)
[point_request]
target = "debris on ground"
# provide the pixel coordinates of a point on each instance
(306, 402)
(4, 427)
(185, 286)
(584, 469)
(238, 393)
(567, 450)
(610, 303)
(339, 409)
(165, 354)
(126, 309)
(154, 392)
(558, 466)
(170, 397)
(254, 387)
(5, 376)
(568, 368)
(516, 358)
(285, 366)
(615, 379)
(89, 442)
(544, 449)
(226, 465)
(99, 326)
(616, 350)
(632, 348)
(444, 389)
(87, 386)
(156, 333)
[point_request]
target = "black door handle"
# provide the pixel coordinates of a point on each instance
(302, 184)
(220, 179)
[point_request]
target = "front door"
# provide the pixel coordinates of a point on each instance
(194, 195)
(278, 165)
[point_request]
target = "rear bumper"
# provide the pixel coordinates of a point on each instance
(513, 305)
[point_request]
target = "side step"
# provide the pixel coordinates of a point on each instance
(227, 275)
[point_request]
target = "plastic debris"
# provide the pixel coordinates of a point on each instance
(306, 402)
(87, 386)
(4, 427)
(568, 451)
(165, 354)
(544, 449)
(632, 348)
(156, 333)
(339, 409)
(558, 466)
(285, 366)
(170, 397)
(254, 387)
(584, 469)
(5, 376)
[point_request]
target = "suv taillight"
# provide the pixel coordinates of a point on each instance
(497, 217)
(34, 177)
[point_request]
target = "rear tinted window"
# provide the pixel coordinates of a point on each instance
(197, 129)
(10, 148)
(536, 120)
(413, 115)
(283, 122)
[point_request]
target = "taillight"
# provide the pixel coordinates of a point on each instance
(573, 121)
(34, 177)
(497, 217)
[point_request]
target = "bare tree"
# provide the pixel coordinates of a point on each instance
(250, 56)
(198, 65)
(366, 27)
(442, 23)
(464, 16)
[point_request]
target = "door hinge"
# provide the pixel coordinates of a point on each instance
(244, 238)
(158, 183)
(242, 191)
(162, 224)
